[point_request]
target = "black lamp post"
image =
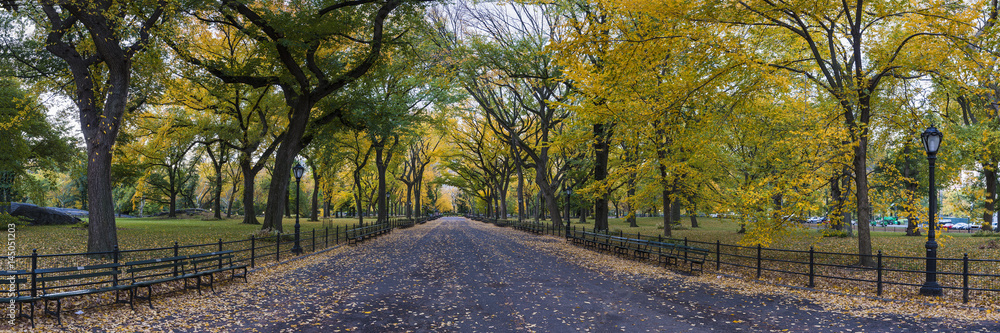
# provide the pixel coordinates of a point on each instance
(568, 193)
(298, 170)
(932, 141)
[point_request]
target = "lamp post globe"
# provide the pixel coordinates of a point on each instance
(298, 170)
(931, 139)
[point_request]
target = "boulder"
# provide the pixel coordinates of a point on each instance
(41, 215)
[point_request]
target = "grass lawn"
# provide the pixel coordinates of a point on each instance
(952, 244)
(140, 233)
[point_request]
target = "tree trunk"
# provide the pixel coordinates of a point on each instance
(217, 207)
(315, 198)
(249, 211)
(103, 235)
(538, 206)
(600, 174)
(416, 198)
(173, 205)
(381, 164)
(693, 214)
(409, 201)
(675, 212)
(864, 205)
(990, 173)
(520, 193)
(667, 230)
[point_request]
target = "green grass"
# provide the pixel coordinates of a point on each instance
(952, 244)
(142, 233)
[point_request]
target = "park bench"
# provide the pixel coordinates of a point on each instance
(102, 278)
(17, 294)
(676, 253)
(156, 271)
(207, 264)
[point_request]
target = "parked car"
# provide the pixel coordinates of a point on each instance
(961, 226)
(815, 219)
(947, 226)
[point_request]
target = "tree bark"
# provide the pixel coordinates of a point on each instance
(249, 174)
(693, 214)
(382, 164)
(315, 198)
(600, 174)
(864, 205)
(990, 175)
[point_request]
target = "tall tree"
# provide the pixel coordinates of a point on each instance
(307, 60)
(98, 42)
(847, 49)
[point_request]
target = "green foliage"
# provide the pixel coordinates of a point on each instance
(6, 219)
(984, 233)
(834, 233)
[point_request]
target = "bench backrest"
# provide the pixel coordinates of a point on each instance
(14, 278)
(203, 261)
(154, 268)
(56, 278)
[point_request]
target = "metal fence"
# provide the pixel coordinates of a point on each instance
(971, 278)
(253, 252)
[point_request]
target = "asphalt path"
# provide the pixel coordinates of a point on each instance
(457, 275)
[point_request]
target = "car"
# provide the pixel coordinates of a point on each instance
(815, 219)
(947, 226)
(961, 226)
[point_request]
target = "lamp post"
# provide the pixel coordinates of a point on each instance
(569, 192)
(932, 141)
(298, 170)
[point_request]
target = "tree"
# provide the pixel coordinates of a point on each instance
(847, 49)
(308, 60)
(98, 42)
(164, 140)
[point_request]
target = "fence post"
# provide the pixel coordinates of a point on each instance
(326, 237)
(115, 255)
(253, 250)
(685, 241)
(965, 278)
(220, 255)
(314, 240)
(34, 277)
(878, 291)
(758, 261)
(718, 254)
(812, 267)
(277, 247)
(176, 254)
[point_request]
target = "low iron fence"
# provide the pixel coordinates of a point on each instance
(968, 277)
(251, 252)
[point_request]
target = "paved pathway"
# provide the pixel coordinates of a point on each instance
(456, 275)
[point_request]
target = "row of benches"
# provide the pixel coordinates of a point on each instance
(54, 284)
(666, 253)
(361, 234)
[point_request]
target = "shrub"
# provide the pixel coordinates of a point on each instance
(984, 233)
(834, 233)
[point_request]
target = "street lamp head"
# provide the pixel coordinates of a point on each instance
(932, 140)
(298, 170)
